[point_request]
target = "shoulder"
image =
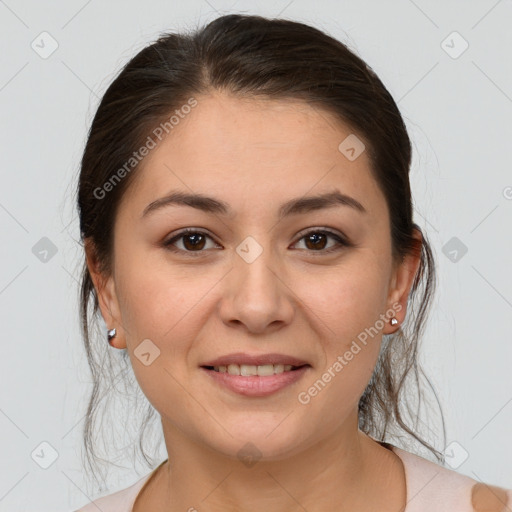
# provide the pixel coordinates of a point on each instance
(431, 484)
(120, 501)
(490, 498)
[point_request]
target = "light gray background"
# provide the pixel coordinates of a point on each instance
(458, 113)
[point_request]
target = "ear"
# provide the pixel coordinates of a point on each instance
(107, 298)
(401, 281)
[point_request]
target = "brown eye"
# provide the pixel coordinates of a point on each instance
(316, 241)
(192, 241)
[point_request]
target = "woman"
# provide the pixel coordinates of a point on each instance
(246, 214)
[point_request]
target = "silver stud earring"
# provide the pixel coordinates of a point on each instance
(111, 333)
(394, 321)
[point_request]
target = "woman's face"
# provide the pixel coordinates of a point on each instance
(254, 279)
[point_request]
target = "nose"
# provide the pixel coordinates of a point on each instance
(256, 295)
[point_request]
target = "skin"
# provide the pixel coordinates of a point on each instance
(292, 299)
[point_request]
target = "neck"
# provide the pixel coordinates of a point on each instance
(334, 473)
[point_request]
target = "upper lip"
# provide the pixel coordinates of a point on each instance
(255, 360)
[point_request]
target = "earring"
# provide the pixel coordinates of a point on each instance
(394, 321)
(111, 333)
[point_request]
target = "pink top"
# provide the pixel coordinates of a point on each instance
(430, 487)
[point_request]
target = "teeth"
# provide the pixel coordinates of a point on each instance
(247, 370)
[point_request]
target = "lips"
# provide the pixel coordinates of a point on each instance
(255, 385)
(241, 358)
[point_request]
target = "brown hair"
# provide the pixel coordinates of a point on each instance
(252, 56)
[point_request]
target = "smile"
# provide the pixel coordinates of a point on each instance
(247, 370)
(255, 381)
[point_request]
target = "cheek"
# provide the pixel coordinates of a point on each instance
(351, 297)
(159, 307)
(349, 311)
(158, 300)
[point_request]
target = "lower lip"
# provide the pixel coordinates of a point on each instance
(256, 385)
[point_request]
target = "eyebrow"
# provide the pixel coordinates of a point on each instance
(296, 206)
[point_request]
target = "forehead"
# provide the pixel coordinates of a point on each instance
(258, 150)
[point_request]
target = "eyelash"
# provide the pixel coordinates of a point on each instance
(342, 242)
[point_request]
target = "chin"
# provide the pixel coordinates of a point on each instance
(253, 440)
